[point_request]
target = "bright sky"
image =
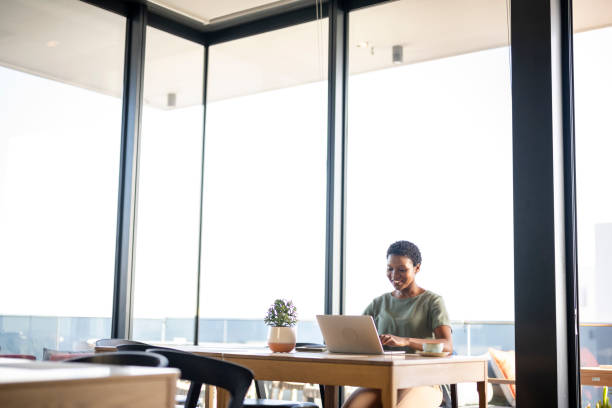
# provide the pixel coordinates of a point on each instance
(429, 160)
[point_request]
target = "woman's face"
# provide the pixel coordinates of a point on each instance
(401, 271)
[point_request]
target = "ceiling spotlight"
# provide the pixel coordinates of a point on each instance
(52, 43)
(363, 44)
(398, 54)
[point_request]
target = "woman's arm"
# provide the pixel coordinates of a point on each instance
(443, 335)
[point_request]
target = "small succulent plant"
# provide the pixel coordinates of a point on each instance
(282, 313)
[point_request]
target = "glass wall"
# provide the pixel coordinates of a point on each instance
(430, 161)
(264, 183)
(169, 180)
(61, 71)
(593, 87)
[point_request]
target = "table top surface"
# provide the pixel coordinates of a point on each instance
(311, 356)
(14, 371)
(600, 369)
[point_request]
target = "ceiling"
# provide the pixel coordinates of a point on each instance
(213, 11)
(63, 40)
(78, 44)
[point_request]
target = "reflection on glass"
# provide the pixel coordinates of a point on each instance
(60, 126)
(168, 207)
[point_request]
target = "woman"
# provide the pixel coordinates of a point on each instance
(406, 318)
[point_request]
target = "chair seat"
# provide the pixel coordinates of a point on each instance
(272, 403)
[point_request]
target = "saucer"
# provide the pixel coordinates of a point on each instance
(432, 354)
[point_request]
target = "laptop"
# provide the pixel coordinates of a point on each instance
(351, 334)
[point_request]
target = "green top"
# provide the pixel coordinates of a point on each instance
(409, 317)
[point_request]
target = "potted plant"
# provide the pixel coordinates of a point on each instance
(281, 317)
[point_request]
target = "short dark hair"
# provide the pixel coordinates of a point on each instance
(405, 248)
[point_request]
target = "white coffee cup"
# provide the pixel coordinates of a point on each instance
(433, 347)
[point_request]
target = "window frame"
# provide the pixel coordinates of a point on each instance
(542, 88)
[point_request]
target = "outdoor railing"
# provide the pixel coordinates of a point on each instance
(29, 334)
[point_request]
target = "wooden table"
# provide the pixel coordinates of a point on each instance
(25, 383)
(387, 373)
(598, 376)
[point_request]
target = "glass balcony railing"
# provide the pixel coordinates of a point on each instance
(30, 334)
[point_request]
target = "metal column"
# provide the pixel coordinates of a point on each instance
(128, 173)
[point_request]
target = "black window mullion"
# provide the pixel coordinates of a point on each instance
(204, 104)
(569, 178)
(121, 325)
(336, 165)
(540, 256)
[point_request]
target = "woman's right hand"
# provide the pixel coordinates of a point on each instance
(394, 341)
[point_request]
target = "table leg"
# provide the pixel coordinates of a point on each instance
(209, 396)
(330, 396)
(482, 394)
(388, 397)
(223, 397)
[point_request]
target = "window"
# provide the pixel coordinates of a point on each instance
(168, 205)
(61, 71)
(430, 160)
(264, 183)
(593, 87)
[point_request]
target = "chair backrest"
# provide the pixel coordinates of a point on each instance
(134, 358)
(116, 342)
(206, 370)
(59, 355)
(140, 347)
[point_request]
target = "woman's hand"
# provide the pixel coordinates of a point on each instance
(443, 334)
(394, 341)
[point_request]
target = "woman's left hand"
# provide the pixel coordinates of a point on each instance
(393, 341)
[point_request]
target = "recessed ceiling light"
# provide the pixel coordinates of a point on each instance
(171, 100)
(363, 44)
(397, 52)
(52, 43)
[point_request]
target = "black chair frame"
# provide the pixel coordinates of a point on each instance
(127, 358)
(201, 370)
(117, 342)
(260, 402)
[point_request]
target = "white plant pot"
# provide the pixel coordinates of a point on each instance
(281, 339)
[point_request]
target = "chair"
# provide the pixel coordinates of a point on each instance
(134, 358)
(117, 342)
(140, 347)
(179, 398)
(260, 402)
(503, 367)
(60, 355)
(201, 370)
(453, 396)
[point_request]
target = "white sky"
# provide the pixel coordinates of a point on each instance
(429, 161)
